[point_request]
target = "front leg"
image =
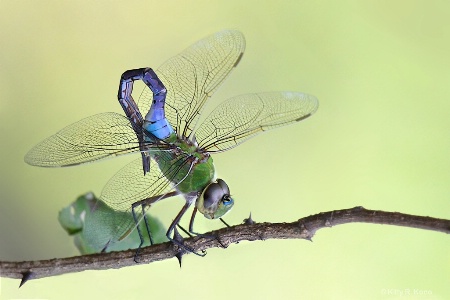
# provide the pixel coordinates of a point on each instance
(207, 236)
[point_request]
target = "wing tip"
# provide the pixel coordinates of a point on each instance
(238, 60)
(303, 117)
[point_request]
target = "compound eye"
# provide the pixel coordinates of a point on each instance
(215, 200)
(226, 199)
(224, 186)
(213, 194)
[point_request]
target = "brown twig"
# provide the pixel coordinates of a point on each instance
(304, 228)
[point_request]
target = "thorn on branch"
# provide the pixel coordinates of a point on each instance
(28, 275)
(249, 220)
(180, 251)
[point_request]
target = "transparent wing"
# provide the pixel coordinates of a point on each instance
(193, 75)
(129, 185)
(242, 117)
(90, 139)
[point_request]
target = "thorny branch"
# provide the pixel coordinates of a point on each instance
(304, 228)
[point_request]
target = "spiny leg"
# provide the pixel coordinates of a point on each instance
(141, 237)
(190, 234)
(184, 230)
(223, 221)
(191, 226)
(207, 236)
(146, 224)
(175, 223)
(142, 204)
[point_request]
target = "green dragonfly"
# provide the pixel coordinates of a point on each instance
(175, 150)
(74, 217)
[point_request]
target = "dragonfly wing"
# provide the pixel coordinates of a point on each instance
(128, 186)
(193, 75)
(242, 117)
(90, 139)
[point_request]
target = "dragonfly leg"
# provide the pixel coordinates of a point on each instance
(146, 224)
(207, 236)
(143, 204)
(191, 222)
(223, 221)
(175, 223)
(141, 237)
(184, 230)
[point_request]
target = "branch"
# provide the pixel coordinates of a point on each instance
(304, 228)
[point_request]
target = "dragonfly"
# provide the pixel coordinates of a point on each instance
(175, 146)
(74, 217)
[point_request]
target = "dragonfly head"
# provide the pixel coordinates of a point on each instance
(215, 200)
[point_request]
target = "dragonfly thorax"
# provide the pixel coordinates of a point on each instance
(187, 167)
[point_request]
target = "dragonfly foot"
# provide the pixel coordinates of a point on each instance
(136, 255)
(210, 237)
(183, 249)
(105, 247)
(178, 240)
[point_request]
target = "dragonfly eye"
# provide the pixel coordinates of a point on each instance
(215, 200)
(226, 199)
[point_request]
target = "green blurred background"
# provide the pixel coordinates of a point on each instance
(380, 139)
